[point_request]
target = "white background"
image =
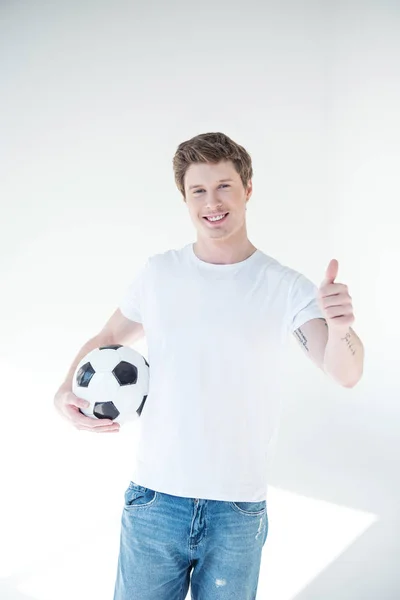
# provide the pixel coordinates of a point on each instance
(94, 99)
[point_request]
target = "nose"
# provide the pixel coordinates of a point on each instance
(213, 203)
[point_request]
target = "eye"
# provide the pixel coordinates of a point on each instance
(223, 184)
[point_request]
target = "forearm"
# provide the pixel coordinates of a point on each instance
(344, 356)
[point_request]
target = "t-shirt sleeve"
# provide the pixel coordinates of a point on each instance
(131, 301)
(303, 303)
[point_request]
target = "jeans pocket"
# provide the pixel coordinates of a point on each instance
(250, 508)
(137, 496)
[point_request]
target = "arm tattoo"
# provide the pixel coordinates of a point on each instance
(348, 341)
(301, 337)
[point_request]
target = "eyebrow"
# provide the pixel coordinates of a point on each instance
(219, 181)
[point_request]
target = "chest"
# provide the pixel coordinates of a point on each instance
(246, 312)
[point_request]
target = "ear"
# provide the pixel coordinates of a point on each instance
(249, 189)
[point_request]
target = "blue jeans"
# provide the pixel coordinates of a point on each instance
(170, 542)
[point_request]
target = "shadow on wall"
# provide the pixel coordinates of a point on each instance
(9, 591)
(367, 569)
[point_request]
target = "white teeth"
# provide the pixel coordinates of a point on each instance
(215, 218)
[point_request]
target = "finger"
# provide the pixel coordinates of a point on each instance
(339, 300)
(334, 288)
(342, 321)
(339, 311)
(99, 429)
(79, 402)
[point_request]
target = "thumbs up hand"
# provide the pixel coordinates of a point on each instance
(334, 300)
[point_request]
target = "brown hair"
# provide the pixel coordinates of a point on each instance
(211, 148)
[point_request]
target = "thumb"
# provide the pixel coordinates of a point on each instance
(331, 272)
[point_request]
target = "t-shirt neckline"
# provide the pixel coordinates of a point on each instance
(221, 267)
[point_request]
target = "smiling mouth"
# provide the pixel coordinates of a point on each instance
(217, 220)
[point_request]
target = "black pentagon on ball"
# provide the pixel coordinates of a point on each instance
(105, 410)
(112, 347)
(85, 374)
(126, 373)
(139, 410)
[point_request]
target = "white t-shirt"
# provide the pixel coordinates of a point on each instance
(216, 336)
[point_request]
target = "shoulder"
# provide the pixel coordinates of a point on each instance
(166, 259)
(281, 272)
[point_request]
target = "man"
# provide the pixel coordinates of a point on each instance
(216, 315)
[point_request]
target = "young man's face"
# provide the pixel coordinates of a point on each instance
(207, 195)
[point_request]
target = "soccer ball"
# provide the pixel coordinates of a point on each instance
(115, 380)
